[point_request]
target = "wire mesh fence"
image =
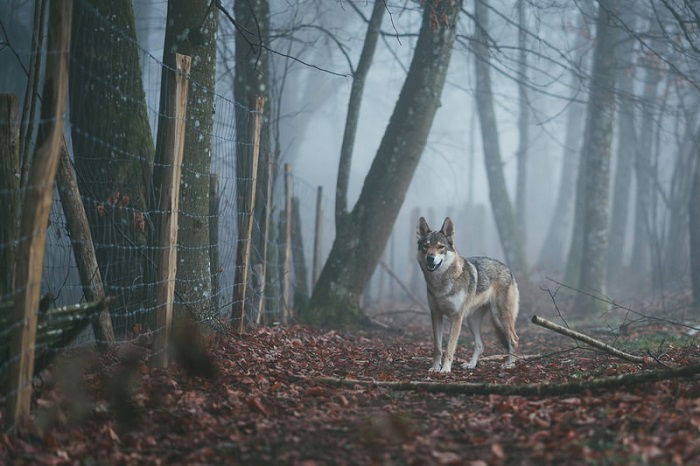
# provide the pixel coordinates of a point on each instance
(115, 124)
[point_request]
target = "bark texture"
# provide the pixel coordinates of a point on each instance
(9, 190)
(335, 301)
(596, 156)
(508, 230)
(190, 30)
(112, 146)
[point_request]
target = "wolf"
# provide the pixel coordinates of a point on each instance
(461, 287)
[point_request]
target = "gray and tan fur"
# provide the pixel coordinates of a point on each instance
(460, 288)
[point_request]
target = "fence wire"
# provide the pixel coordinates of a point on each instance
(111, 139)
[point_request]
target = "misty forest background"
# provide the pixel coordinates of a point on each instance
(234, 186)
(561, 136)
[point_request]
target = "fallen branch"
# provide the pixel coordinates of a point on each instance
(494, 357)
(589, 340)
(533, 389)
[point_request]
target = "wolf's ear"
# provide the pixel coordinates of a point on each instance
(423, 228)
(448, 228)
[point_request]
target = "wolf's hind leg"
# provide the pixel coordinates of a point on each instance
(474, 321)
(437, 341)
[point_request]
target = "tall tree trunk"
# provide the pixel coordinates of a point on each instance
(508, 230)
(626, 150)
(335, 301)
(675, 255)
(112, 146)
(523, 125)
(252, 79)
(596, 155)
(694, 215)
(643, 167)
(9, 191)
(190, 30)
(353, 115)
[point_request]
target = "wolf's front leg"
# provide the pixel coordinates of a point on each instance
(437, 340)
(455, 329)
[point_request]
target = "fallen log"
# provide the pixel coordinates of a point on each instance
(531, 389)
(589, 341)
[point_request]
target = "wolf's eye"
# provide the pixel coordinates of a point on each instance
(441, 246)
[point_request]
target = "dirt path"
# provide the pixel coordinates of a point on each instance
(252, 411)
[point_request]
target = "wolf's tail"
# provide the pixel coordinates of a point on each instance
(504, 311)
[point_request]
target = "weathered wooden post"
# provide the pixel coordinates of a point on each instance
(166, 178)
(9, 190)
(301, 283)
(83, 248)
(287, 246)
(266, 236)
(318, 226)
(37, 204)
(414, 275)
(240, 287)
(214, 262)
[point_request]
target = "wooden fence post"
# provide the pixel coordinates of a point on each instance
(318, 226)
(240, 286)
(83, 248)
(9, 190)
(214, 262)
(167, 179)
(301, 283)
(266, 236)
(37, 204)
(414, 277)
(287, 246)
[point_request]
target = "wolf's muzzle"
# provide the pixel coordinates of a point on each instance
(432, 263)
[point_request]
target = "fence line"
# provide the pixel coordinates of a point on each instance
(113, 171)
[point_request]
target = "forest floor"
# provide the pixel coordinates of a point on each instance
(238, 400)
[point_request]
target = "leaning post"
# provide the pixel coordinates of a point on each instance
(35, 214)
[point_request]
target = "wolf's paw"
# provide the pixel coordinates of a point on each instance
(469, 365)
(446, 369)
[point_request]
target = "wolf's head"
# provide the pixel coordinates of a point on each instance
(436, 248)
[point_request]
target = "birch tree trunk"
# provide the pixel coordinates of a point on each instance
(596, 155)
(190, 30)
(335, 301)
(508, 231)
(113, 148)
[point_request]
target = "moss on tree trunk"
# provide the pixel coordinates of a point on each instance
(112, 145)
